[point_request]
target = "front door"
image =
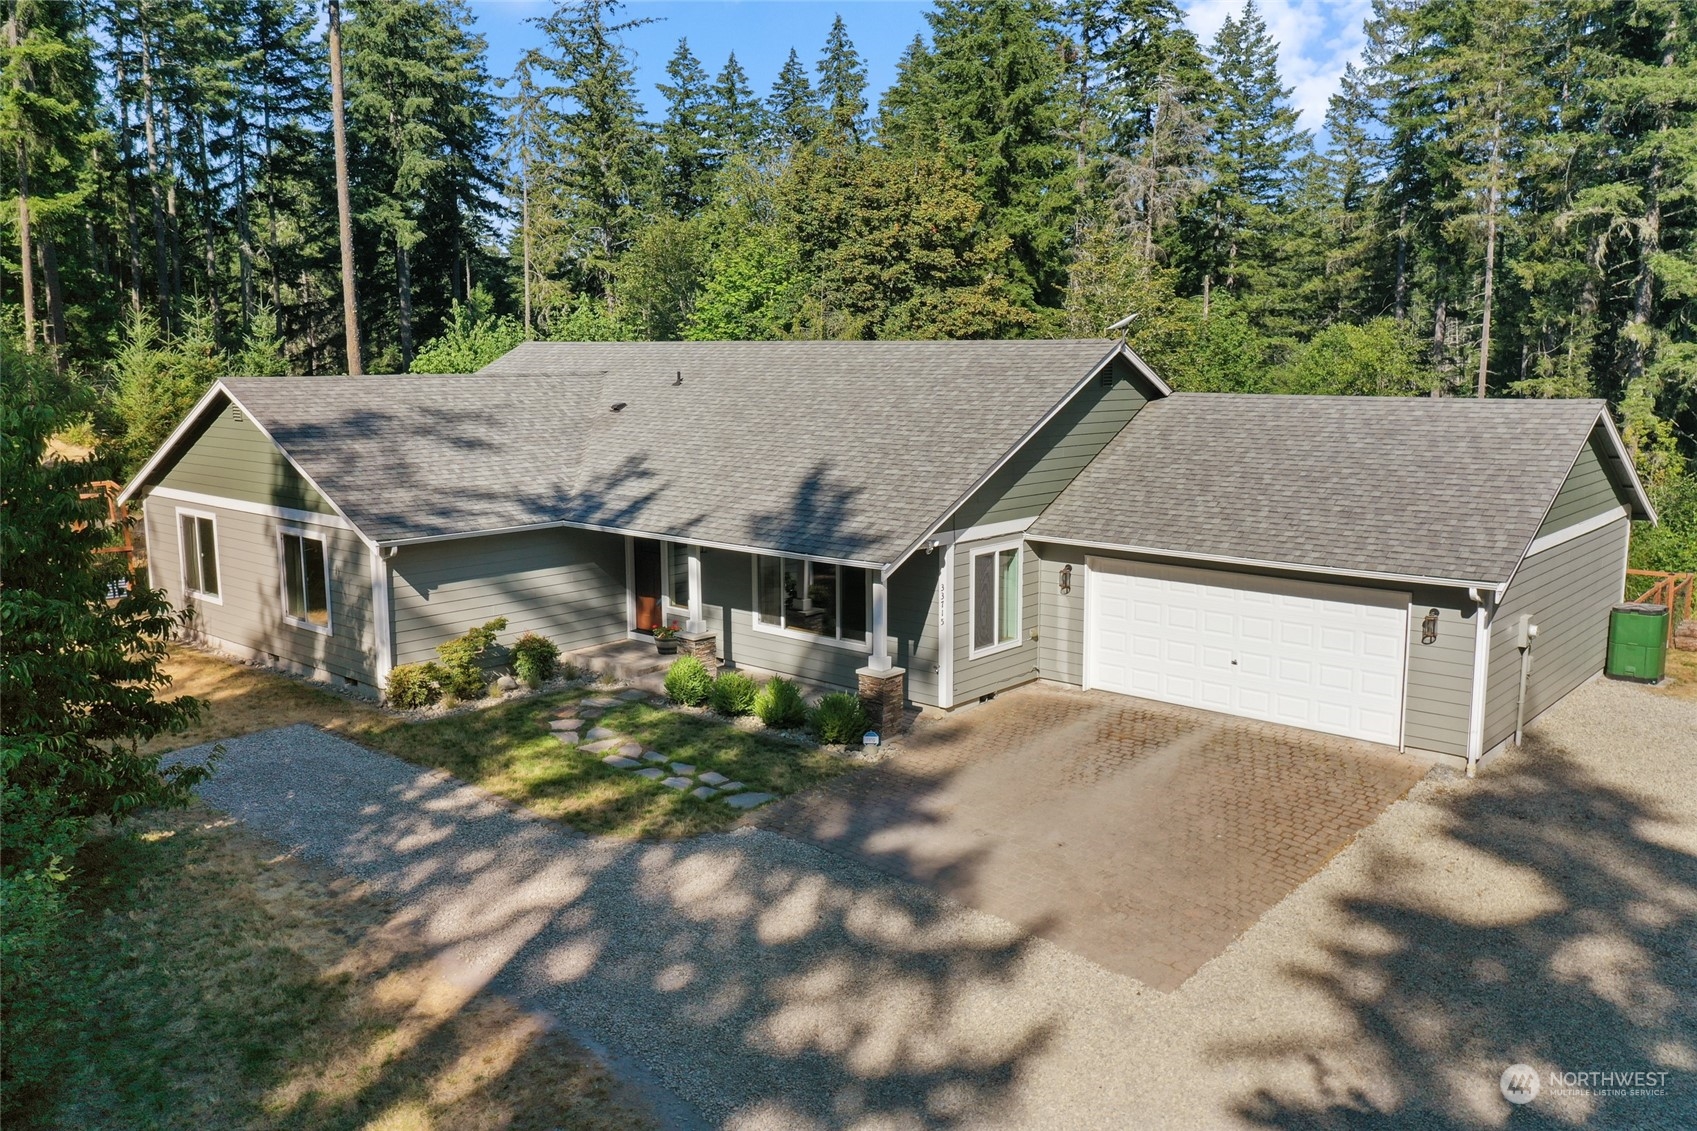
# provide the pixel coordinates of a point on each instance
(647, 583)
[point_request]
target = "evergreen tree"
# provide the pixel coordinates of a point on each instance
(1233, 240)
(793, 110)
(897, 247)
(1351, 285)
(994, 77)
(735, 119)
(907, 114)
(598, 183)
(842, 86)
(688, 155)
(421, 114)
(47, 130)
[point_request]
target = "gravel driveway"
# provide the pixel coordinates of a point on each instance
(1545, 913)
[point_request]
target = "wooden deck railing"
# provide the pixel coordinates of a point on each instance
(117, 518)
(1675, 590)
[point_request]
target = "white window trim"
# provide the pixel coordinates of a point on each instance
(848, 644)
(183, 557)
(1014, 641)
(328, 627)
(668, 610)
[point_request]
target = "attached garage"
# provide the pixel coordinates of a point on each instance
(1323, 657)
(1349, 565)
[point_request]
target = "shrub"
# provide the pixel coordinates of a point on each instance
(535, 659)
(688, 682)
(411, 686)
(733, 694)
(464, 677)
(838, 719)
(779, 704)
(39, 994)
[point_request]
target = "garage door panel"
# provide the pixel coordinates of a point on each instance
(1317, 656)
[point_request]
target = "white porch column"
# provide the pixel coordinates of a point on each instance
(697, 622)
(382, 618)
(880, 623)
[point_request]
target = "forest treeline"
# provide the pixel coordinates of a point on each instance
(1503, 205)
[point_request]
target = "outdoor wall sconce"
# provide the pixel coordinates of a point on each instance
(1429, 627)
(1066, 579)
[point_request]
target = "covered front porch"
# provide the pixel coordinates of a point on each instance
(823, 623)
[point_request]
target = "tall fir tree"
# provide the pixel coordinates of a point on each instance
(599, 161)
(842, 87)
(995, 81)
(683, 136)
(794, 113)
(421, 113)
(1233, 239)
(735, 119)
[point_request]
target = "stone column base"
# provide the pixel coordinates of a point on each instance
(704, 646)
(882, 696)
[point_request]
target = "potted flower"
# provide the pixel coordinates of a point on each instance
(666, 638)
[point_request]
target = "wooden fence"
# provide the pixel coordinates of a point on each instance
(1671, 589)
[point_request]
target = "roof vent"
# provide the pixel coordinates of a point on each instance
(619, 407)
(235, 414)
(680, 379)
(1106, 380)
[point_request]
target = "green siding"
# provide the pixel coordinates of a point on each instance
(1440, 674)
(1062, 614)
(233, 459)
(1569, 590)
(914, 609)
(249, 569)
(1044, 467)
(567, 585)
(1010, 667)
(1589, 489)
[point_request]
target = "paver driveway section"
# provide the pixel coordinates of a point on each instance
(1142, 836)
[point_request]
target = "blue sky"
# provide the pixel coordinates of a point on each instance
(1315, 38)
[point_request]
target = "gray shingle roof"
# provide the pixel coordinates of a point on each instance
(1418, 487)
(836, 449)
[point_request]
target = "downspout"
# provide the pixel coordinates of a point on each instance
(1525, 632)
(1486, 606)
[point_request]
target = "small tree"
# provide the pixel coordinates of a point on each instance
(79, 677)
(80, 685)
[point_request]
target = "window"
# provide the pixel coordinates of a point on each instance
(306, 581)
(677, 575)
(199, 544)
(995, 598)
(817, 598)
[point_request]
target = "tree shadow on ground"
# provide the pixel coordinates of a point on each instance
(762, 983)
(1563, 937)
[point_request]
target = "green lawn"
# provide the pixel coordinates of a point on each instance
(508, 749)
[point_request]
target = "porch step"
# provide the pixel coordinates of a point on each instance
(626, 660)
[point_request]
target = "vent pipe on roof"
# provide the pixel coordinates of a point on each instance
(680, 379)
(619, 407)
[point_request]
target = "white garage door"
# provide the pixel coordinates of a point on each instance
(1324, 657)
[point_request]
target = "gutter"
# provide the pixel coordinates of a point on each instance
(392, 545)
(1262, 563)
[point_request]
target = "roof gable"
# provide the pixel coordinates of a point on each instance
(1448, 489)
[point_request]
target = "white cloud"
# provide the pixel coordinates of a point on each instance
(1315, 40)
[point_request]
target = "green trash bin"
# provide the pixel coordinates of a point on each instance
(1638, 642)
